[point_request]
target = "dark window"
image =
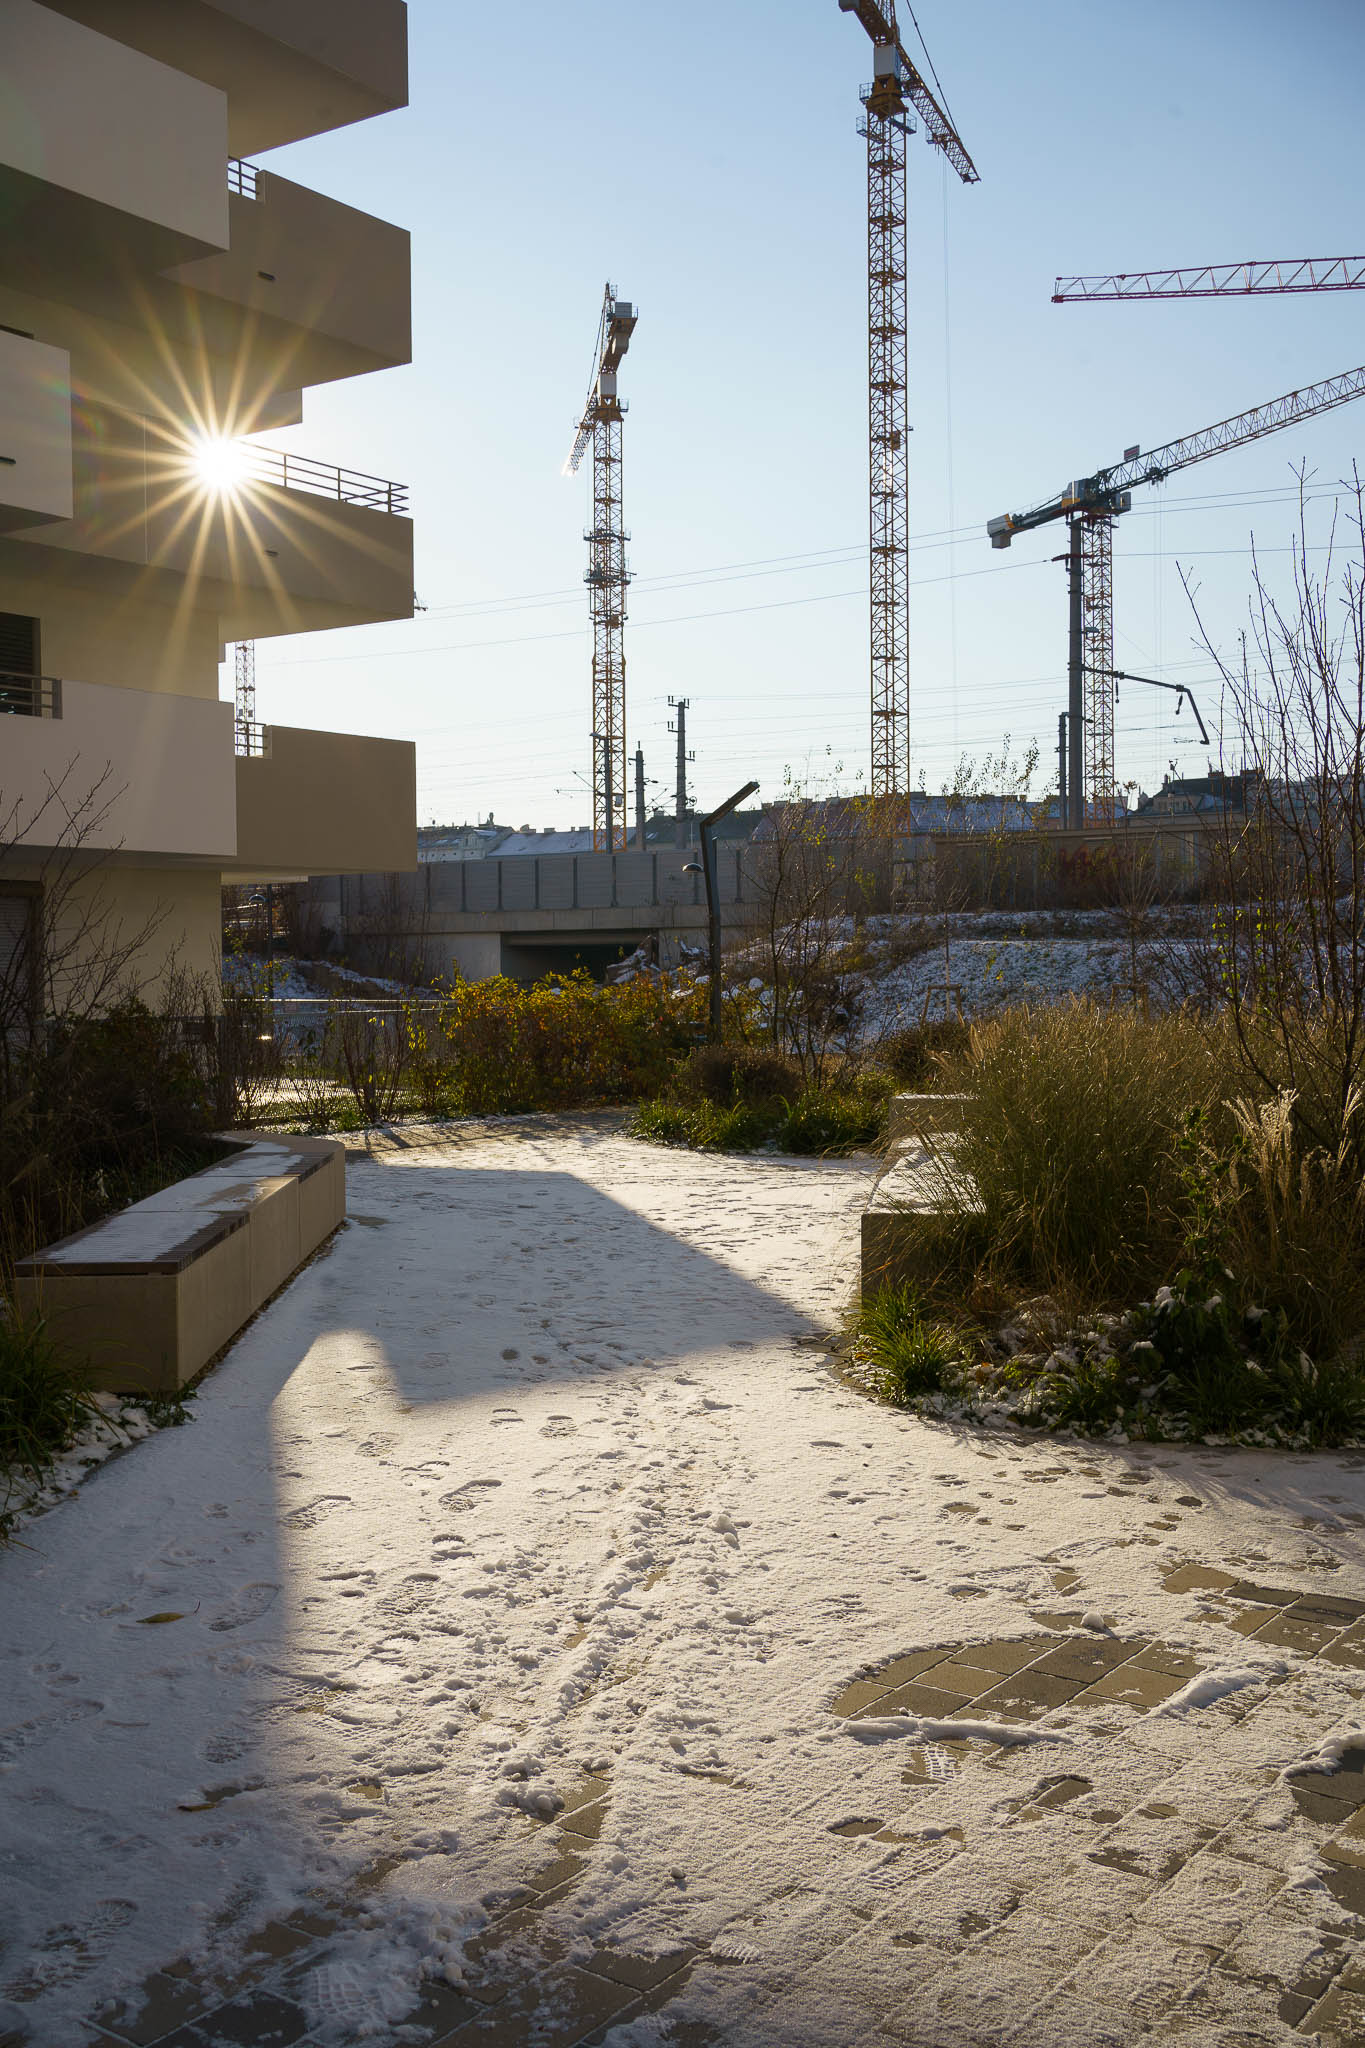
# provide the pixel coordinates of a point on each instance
(18, 645)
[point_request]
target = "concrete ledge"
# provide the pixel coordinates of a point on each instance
(912, 1116)
(919, 1182)
(142, 1301)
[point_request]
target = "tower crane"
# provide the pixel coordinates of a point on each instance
(1090, 506)
(1219, 280)
(896, 94)
(607, 575)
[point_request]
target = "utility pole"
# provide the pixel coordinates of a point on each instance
(708, 867)
(1061, 771)
(639, 796)
(679, 726)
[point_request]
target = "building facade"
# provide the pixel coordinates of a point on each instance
(161, 300)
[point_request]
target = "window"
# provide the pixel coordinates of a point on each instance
(18, 645)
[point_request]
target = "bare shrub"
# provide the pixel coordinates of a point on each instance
(1281, 942)
(373, 1054)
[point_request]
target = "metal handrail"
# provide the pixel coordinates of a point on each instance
(241, 177)
(304, 473)
(250, 739)
(30, 696)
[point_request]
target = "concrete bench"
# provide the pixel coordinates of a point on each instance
(142, 1301)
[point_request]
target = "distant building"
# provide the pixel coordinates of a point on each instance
(1213, 795)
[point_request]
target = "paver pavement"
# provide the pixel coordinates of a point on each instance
(560, 1652)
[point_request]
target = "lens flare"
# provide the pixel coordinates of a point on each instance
(219, 463)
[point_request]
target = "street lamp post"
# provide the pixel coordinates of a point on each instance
(708, 868)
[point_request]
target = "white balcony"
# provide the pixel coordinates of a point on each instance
(290, 68)
(35, 433)
(110, 162)
(139, 773)
(286, 545)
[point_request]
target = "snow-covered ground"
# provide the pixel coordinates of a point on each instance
(540, 1470)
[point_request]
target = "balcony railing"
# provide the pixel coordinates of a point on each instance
(241, 177)
(30, 696)
(302, 473)
(250, 739)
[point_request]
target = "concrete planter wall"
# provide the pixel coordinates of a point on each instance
(142, 1301)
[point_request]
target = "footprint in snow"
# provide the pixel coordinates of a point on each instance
(468, 1496)
(247, 1605)
(67, 1952)
(409, 1597)
(28, 1734)
(314, 1511)
(560, 1425)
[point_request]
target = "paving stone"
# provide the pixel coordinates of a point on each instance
(1005, 1656)
(1158, 1657)
(958, 2009)
(639, 1973)
(861, 1694)
(1197, 1578)
(914, 1698)
(1211, 1899)
(902, 1669)
(1143, 1970)
(259, 2021)
(960, 1674)
(1131, 1686)
(1289, 1631)
(1088, 1657)
(1027, 1696)
(1327, 1607)
(1153, 1844)
(585, 1821)
(169, 2002)
(1066, 2021)
(571, 2005)
(1266, 1596)
(1051, 1948)
(1338, 2019)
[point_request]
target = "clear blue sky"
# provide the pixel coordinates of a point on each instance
(705, 159)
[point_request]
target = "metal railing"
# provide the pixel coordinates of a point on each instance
(303, 473)
(241, 177)
(250, 739)
(30, 696)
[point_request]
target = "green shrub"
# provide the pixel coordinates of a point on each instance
(907, 1356)
(830, 1121)
(42, 1406)
(702, 1127)
(826, 1121)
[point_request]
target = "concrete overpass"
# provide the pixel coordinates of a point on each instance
(527, 915)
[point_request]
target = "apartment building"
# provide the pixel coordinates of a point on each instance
(162, 299)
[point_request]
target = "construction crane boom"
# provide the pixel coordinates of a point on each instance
(880, 23)
(1102, 492)
(1090, 506)
(897, 88)
(1219, 280)
(607, 575)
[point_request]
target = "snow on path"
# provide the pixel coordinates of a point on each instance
(537, 1470)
